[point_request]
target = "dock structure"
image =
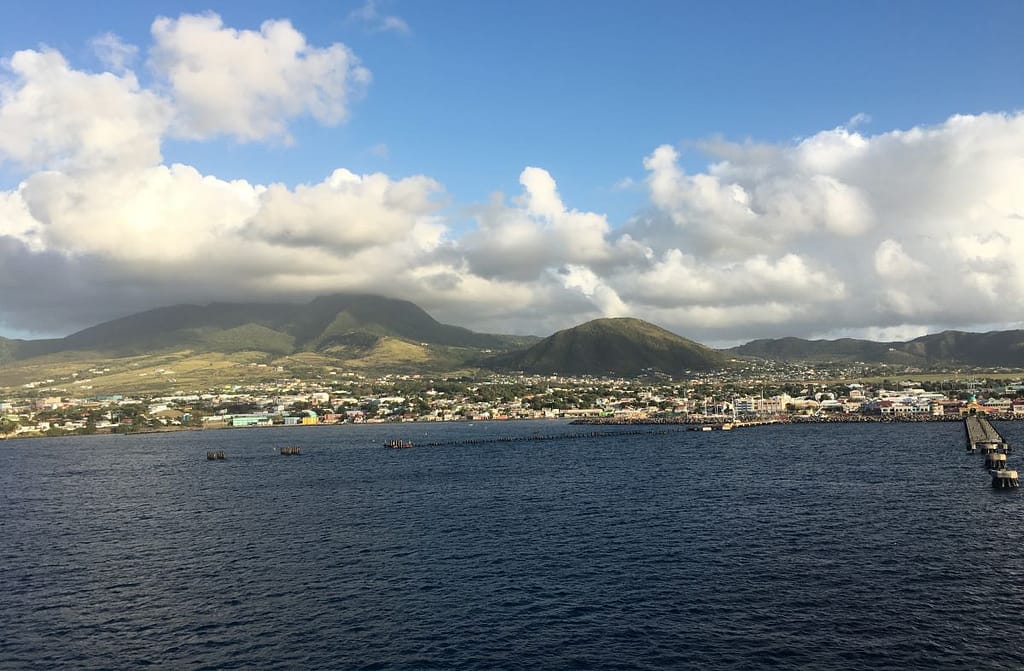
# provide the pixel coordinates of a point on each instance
(290, 451)
(995, 461)
(982, 436)
(1004, 479)
(215, 456)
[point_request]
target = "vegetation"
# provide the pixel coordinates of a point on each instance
(949, 348)
(188, 348)
(614, 346)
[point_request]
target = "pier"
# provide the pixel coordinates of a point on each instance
(995, 460)
(215, 456)
(1004, 479)
(981, 435)
(290, 451)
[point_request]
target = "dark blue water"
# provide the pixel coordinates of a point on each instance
(826, 547)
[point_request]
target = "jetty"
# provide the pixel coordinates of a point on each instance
(982, 436)
(290, 451)
(1004, 479)
(216, 455)
(995, 461)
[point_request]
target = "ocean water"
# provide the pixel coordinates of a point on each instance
(825, 547)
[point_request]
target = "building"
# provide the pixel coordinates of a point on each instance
(250, 420)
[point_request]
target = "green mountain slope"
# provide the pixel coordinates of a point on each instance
(620, 346)
(276, 328)
(798, 349)
(995, 348)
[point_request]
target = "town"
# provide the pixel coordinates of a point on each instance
(755, 391)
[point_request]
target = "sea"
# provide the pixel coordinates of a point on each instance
(515, 545)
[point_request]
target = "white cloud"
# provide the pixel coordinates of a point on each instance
(159, 215)
(900, 229)
(249, 84)
(114, 52)
(344, 212)
(375, 22)
(55, 117)
(838, 233)
(858, 119)
(892, 263)
(535, 233)
(586, 281)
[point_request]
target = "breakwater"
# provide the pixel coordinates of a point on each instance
(572, 436)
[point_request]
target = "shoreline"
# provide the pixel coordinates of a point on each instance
(583, 421)
(843, 419)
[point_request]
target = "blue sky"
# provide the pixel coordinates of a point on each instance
(472, 93)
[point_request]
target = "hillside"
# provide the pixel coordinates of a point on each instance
(995, 348)
(619, 346)
(843, 349)
(275, 327)
(353, 330)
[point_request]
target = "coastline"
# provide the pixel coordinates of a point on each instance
(585, 421)
(838, 419)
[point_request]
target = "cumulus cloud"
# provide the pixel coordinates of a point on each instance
(897, 230)
(249, 84)
(536, 232)
(344, 212)
(55, 117)
(837, 233)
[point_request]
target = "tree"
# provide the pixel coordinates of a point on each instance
(7, 425)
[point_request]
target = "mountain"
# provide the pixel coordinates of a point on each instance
(798, 349)
(8, 349)
(620, 346)
(995, 348)
(336, 322)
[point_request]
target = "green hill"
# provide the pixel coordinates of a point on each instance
(276, 328)
(995, 348)
(621, 346)
(231, 341)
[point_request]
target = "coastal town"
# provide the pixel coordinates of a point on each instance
(760, 392)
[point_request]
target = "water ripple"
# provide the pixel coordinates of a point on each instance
(835, 547)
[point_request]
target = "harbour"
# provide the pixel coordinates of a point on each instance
(495, 554)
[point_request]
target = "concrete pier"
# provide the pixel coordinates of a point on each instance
(1004, 479)
(982, 436)
(995, 461)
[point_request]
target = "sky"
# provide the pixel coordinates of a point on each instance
(727, 170)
